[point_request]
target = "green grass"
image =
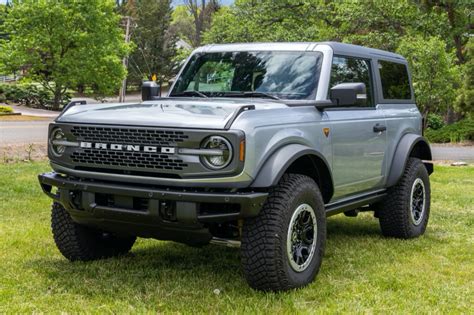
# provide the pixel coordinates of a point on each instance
(362, 272)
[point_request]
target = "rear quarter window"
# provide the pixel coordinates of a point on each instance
(394, 79)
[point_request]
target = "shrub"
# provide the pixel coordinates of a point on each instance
(5, 109)
(435, 121)
(461, 131)
(29, 94)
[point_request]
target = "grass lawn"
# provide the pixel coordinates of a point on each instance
(362, 272)
(22, 118)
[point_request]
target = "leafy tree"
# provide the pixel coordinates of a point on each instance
(432, 73)
(155, 43)
(62, 44)
(283, 20)
(193, 18)
(465, 100)
(182, 24)
(456, 17)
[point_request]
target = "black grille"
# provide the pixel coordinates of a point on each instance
(128, 159)
(128, 135)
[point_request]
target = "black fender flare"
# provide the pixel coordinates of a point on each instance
(277, 164)
(404, 150)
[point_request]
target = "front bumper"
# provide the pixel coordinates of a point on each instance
(143, 210)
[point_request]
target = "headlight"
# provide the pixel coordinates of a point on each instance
(220, 152)
(56, 140)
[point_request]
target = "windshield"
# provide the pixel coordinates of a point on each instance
(282, 75)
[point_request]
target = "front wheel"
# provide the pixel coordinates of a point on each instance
(78, 242)
(404, 213)
(283, 247)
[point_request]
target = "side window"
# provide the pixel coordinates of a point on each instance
(395, 83)
(351, 70)
(212, 77)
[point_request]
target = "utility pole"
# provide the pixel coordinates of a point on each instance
(123, 89)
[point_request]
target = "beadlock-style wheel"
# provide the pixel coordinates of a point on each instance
(418, 203)
(302, 237)
(405, 211)
(283, 246)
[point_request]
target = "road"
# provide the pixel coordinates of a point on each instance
(453, 152)
(23, 132)
(26, 132)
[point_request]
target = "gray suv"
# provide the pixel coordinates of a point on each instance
(253, 146)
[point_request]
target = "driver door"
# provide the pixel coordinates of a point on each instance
(358, 145)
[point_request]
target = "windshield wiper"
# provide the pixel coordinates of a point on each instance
(250, 94)
(190, 93)
(262, 94)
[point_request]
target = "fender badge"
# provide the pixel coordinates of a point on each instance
(326, 132)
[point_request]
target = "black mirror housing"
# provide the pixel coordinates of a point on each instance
(348, 94)
(150, 90)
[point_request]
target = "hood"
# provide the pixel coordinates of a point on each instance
(168, 112)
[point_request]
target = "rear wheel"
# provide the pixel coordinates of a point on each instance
(404, 213)
(283, 247)
(78, 242)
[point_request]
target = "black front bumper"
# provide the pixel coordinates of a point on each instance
(148, 211)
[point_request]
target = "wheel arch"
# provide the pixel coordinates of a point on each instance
(298, 159)
(410, 145)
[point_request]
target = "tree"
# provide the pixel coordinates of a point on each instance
(456, 15)
(192, 19)
(62, 44)
(154, 42)
(284, 20)
(433, 76)
(465, 100)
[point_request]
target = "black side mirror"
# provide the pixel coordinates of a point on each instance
(349, 94)
(150, 90)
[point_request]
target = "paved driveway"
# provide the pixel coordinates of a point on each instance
(23, 132)
(453, 152)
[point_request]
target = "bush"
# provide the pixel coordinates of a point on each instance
(5, 110)
(435, 121)
(461, 131)
(28, 94)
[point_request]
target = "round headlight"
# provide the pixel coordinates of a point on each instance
(223, 152)
(57, 136)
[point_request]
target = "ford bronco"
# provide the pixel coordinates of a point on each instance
(253, 146)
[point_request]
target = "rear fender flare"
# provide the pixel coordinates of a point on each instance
(409, 145)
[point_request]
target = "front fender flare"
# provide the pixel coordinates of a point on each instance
(403, 151)
(276, 165)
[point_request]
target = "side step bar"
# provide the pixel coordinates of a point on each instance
(225, 242)
(354, 202)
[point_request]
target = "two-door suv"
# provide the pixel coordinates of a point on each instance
(253, 146)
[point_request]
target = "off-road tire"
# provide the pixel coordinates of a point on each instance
(78, 242)
(264, 257)
(395, 212)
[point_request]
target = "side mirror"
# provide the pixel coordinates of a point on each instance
(348, 94)
(150, 90)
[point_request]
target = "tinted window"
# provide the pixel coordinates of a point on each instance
(352, 70)
(395, 83)
(287, 75)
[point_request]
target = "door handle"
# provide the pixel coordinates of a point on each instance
(379, 128)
